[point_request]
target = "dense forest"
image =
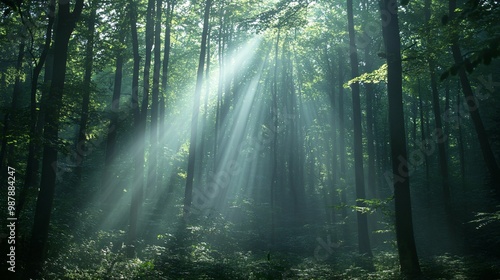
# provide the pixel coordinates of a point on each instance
(238, 139)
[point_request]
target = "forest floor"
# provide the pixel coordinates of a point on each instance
(192, 258)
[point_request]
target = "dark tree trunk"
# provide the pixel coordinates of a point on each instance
(274, 147)
(139, 128)
(188, 195)
(164, 82)
(342, 150)
(65, 26)
(203, 142)
(87, 80)
(220, 86)
(363, 236)
(442, 140)
(484, 143)
(10, 119)
(34, 145)
(460, 140)
(422, 133)
(111, 191)
(370, 138)
(443, 163)
(149, 40)
(404, 224)
(153, 154)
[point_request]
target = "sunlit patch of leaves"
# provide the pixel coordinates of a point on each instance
(102, 257)
(376, 76)
(483, 219)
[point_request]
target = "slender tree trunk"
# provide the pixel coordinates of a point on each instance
(149, 40)
(87, 81)
(363, 236)
(111, 191)
(138, 188)
(166, 50)
(300, 142)
(443, 164)
(33, 146)
(422, 133)
(274, 116)
(188, 195)
(404, 224)
(472, 104)
(153, 154)
(220, 86)
(414, 112)
(164, 83)
(204, 125)
(332, 162)
(447, 109)
(460, 140)
(10, 119)
(65, 26)
(342, 150)
(370, 138)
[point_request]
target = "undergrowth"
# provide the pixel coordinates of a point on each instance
(200, 253)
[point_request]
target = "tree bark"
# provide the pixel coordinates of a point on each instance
(139, 128)
(34, 145)
(363, 236)
(472, 104)
(87, 80)
(188, 194)
(111, 191)
(66, 23)
(153, 154)
(408, 259)
(11, 117)
(443, 162)
(342, 149)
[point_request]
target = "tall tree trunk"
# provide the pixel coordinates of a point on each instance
(342, 149)
(274, 116)
(153, 154)
(404, 224)
(164, 81)
(149, 40)
(447, 109)
(110, 191)
(65, 26)
(220, 86)
(486, 150)
(203, 142)
(33, 146)
(87, 80)
(332, 163)
(11, 117)
(370, 138)
(443, 164)
(138, 188)
(188, 195)
(422, 132)
(363, 236)
(460, 140)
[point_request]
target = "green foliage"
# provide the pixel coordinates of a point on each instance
(460, 267)
(374, 77)
(100, 257)
(483, 219)
(286, 14)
